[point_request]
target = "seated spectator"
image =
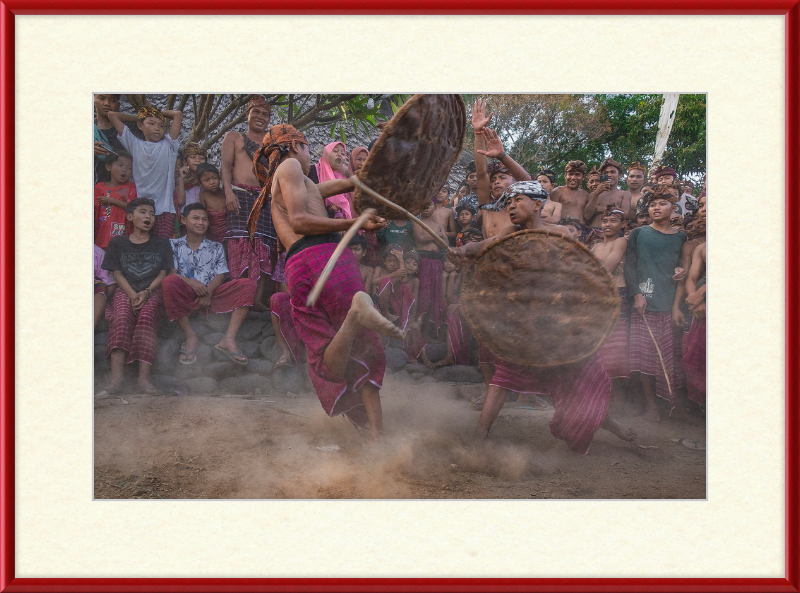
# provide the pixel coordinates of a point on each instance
(139, 263)
(197, 281)
(104, 285)
(153, 161)
(187, 190)
(111, 199)
(212, 197)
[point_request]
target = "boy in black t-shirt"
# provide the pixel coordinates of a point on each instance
(139, 263)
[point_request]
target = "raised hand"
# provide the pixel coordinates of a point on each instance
(479, 118)
(184, 171)
(494, 147)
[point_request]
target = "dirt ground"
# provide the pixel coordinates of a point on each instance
(284, 446)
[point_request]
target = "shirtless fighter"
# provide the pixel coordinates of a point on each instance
(580, 392)
(571, 197)
(345, 359)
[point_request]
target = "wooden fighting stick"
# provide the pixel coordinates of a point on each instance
(326, 273)
(658, 351)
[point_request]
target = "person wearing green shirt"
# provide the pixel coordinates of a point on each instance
(652, 274)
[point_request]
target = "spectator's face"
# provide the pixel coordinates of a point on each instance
(302, 153)
(462, 191)
(337, 156)
(676, 221)
(143, 217)
(448, 266)
(635, 179)
(359, 161)
(668, 179)
(258, 119)
(593, 182)
(427, 210)
(209, 181)
(687, 187)
(471, 239)
(442, 196)
(120, 170)
(690, 229)
(573, 231)
(613, 175)
(358, 251)
(545, 182)
(104, 104)
(465, 217)
(660, 209)
(702, 211)
(643, 219)
(611, 226)
(196, 222)
(152, 128)
(193, 160)
(412, 267)
(391, 263)
(522, 209)
(500, 183)
(472, 179)
(574, 179)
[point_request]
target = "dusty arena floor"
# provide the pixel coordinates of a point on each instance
(284, 446)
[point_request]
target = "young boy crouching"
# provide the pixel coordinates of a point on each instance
(139, 263)
(195, 281)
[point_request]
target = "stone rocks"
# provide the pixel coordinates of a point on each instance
(266, 345)
(470, 391)
(417, 376)
(254, 315)
(165, 382)
(436, 352)
(287, 379)
(220, 370)
(250, 349)
(274, 353)
(249, 330)
(402, 377)
(167, 353)
(182, 372)
(413, 367)
(99, 352)
(458, 374)
(244, 384)
(219, 321)
(396, 359)
(261, 367)
(102, 325)
(213, 339)
(265, 316)
(101, 338)
(268, 330)
(203, 353)
(201, 386)
(427, 379)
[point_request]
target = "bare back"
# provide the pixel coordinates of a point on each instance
(573, 201)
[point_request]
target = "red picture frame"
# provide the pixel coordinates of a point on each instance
(790, 9)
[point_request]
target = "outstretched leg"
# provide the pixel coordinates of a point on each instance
(626, 434)
(495, 398)
(362, 314)
(652, 413)
(371, 397)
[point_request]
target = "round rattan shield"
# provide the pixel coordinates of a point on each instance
(540, 299)
(414, 154)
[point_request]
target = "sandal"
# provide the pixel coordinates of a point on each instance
(108, 392)
(282, 364)
(187, 356)
(236, 357)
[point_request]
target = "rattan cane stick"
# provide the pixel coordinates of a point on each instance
(658, 350)
(360, 185)
(326, 273)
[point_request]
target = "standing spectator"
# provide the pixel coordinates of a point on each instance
(571, 197)
(105, 135)
(153, 161)
(111, 199)
(635, 181)
(551, 212)
(606, 194)
(187, 190)
(463, 190)
(331, 166)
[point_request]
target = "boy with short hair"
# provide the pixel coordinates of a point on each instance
(465, 215)
(359, 247)
(139, 263)
(187, 190)
(212, 197)
(111, 198)
(153, 161)
(197, 281)
(551, 213)
(571, 197)
(651, 274)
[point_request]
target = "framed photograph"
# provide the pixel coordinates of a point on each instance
(68, 526)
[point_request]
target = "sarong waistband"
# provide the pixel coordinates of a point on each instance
(430, 254)
(247, 188)
(310, 241)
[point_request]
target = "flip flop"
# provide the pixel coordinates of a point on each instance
(108, 392)
(187, 356)
(151, 391)
(235, 357)
(282, 364)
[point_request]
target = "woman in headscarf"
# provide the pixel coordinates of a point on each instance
(357, 159)
(331, 166)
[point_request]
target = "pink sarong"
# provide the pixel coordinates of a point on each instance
(179, 297)
(280, 305)
(642, 352)
(317, 326)
(430, 286)
(217, 224)
(580, 394)
(460, 338)
(694, 361)
(400, 301)
(134, 332)
(164, 225)
(243, 258)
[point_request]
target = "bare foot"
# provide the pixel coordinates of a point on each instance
(626, 434)
(369, 317)
(478, 401)
(148, 388)
(534, 401)
(229, 345)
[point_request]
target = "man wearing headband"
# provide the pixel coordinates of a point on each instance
(571, 197)
(253, 259)
(611, 252)
(552, 210)
(580, 392)
(153, 161)
(345, 359)
(635, 181)
(694, 348)
(606, 194)
(652, 273)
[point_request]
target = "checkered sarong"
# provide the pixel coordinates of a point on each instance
(134, 332)
(429, 296)
(317, 326)
(460, 338)
(164, 226)
(243, 258)
(642, 352)
(281, 306)
(615, 351)
(179, 297)
(694, 361)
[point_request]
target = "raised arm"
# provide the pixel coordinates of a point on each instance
(334, 187)
(479, 122)
(116, 119)
(495, 150)
(177, 120)
(591, 206)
